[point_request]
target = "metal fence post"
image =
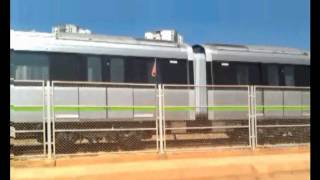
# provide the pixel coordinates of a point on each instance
(157, 113)
(160, 119)
(163, 119)
(43, 84)
(53, 120)
(253, 118)
(49, 120)
(249, 116)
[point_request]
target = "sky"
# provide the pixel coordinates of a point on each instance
(254, 22)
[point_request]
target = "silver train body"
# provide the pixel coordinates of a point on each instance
(200, 96)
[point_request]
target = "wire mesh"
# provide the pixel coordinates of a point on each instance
(93, 117)
(187, 127)
(282, 115)
(27, 117)
(104, 117)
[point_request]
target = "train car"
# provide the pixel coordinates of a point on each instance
(133, 67)
(75, 57)
(277, 68)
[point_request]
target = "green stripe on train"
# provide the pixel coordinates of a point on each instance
(26, 108)
(153, 108)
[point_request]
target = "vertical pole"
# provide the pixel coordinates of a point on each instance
(157, 112)
(252, 118)
(44, 117)
(49, 120)
(12, 129)
(160, 119)
(157, 132)
(53, 120)
(254, 134)
(283, 111)
(301, 103)
(163, 119)
(249, 115)
(255, 117)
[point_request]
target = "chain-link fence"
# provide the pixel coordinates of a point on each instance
(90, 117)
(205, 117)
(104, 117)
(282, 115)
(27, 117)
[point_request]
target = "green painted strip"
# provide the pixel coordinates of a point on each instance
(153, 108)
(26, 108)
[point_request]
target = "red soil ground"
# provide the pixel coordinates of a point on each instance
(271, 163)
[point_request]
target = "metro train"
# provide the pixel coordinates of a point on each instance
(75, 57)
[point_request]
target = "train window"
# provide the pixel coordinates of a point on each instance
(209, 72)
(190, 72)
(29, 66)
(254, 74)
(242, 74)
(308, 76)
(224, 73)
(288, 75)
(272, 75)
(173, 71)
(139, 70)
(302, 76)
(235, 73)
(116, 69)
(68, 67)
(94, 68)
(128, 69)
(12, 71)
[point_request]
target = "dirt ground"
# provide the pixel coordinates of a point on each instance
(269, 164)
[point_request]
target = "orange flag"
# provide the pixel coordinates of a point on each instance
(154, 69)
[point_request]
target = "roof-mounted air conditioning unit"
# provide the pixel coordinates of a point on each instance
(70, 28)
(164, 35)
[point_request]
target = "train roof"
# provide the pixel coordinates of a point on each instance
(129, 46)
(255, 53)
(98, 44)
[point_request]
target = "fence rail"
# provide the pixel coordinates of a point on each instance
(58, 118)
